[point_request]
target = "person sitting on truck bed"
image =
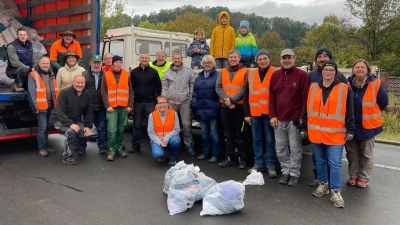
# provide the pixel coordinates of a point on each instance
(160, 64)
(43, 93)
(73, 114)
(107, 60)
(69, 71)
(60, 48)
(20, 60)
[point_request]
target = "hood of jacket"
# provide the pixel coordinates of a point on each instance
(202, 41)
(227, 15)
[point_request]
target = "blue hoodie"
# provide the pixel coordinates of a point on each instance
(197, 57)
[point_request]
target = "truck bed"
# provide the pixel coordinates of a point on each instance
(7, 95)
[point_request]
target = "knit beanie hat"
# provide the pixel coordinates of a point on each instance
(329, 63)
(262, 52)
(323, 51)
(244, 23)
(116, 58)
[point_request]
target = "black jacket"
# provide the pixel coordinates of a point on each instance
(146, 84)
(90, 86)
(70, 107)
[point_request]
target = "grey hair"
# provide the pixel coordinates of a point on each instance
(208, 58)
(162, 51)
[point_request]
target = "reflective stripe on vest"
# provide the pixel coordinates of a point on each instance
(118, 95)
(161, 129)
(233, 87)
(326, 122)
(41, 98)
(371, 113)
(259, 92)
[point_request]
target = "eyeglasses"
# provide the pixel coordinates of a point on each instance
(329, 70)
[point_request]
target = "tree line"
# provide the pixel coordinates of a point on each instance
(374, 39)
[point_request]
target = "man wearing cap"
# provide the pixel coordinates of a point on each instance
(117, 94)
(20, 60)
(93, 80)
(256, 112)
(107, 60)
(287, 98)
(146, 86)
(61, 46)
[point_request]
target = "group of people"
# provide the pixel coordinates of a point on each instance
(283, 105)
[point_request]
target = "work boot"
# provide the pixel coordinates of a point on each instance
(134, 150)
(50, 151)
(293, 181)
(272, 173)
(284, 179)
(121, 154)
(102, 151)
(256, 168)
(43, 152)
(111, 157)
(14, 87)
(69, 161)
(229, 161)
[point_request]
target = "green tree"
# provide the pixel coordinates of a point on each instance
(147, 24)
(304, 54)
(273, 43)
(111, 15)
(190, 22)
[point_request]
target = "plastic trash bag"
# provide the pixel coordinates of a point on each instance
(4, 79)
(223, 198)
(183, 190)
(38, 51)
(205, 184)
(255, 178)
(168, 174)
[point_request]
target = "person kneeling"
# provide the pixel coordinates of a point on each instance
(163, 130)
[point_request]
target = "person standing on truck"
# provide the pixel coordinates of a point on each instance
(73, 115)
(222, 41)
(246, 44)
(198, 48)
(287, 98)
(60, 47)
(160, 64)
(230, 87)
(256, 112)
(146, 85)
(117, 94)
(71, 69)
(177, 85)
(321, 56)
(107, 62)
(93, 80)
(43, 92)
(20, 60)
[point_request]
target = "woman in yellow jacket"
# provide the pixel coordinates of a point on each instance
(222, 40)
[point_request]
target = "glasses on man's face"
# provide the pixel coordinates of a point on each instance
(329, 70)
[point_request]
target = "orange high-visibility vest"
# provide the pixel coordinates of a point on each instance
(326, 122)
(233, 87)
(107, 68)
(41, 98)
(118, 95)
(161, 129)
(259, 92)
(371, 113)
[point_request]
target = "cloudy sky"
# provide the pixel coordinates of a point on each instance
(309, 11)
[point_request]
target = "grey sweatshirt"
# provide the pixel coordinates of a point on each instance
(152, 134)
(177, 85)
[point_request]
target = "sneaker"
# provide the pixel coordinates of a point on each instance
(284, 179)
(201, 157)
(293, 181)
(362, 184)
(111, 157)
(102, 151)
(337, 199)
(352, 181)
(314, 183)
(50, 151)
(121, 154)
(189, 150)
(172, 160)
(213, 159)
(227, 162)
(43, 153)
(323, 189)
(134, 150)
(242, 163)
(256, 168)
(70, 161)
(272, 173)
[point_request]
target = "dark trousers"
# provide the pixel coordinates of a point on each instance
(20, 75)
(232, 122)
(142, 111)
(73, 139)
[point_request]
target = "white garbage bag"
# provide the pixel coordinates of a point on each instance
(168, 174)
(223, 198)
(4, 79)
(205, 184)
(255, 178)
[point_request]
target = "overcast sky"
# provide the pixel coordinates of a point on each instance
(309, 11)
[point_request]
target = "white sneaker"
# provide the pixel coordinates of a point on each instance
(337, 199)
(323, 189)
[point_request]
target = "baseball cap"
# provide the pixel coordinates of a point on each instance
(287, 52)
(96, 58)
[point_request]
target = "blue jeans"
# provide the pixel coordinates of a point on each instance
(43, 119)
(209, 130)
(173, 145)
(332, 155)
(100, 122)
(263, 138)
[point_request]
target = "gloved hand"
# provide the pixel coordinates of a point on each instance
(348, 137)
(304, 134)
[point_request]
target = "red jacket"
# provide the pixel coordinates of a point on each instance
(288, 93)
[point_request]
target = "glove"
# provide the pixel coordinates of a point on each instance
(303, 134)
(348, 137)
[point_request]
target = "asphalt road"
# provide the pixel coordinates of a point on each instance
(37, 190)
